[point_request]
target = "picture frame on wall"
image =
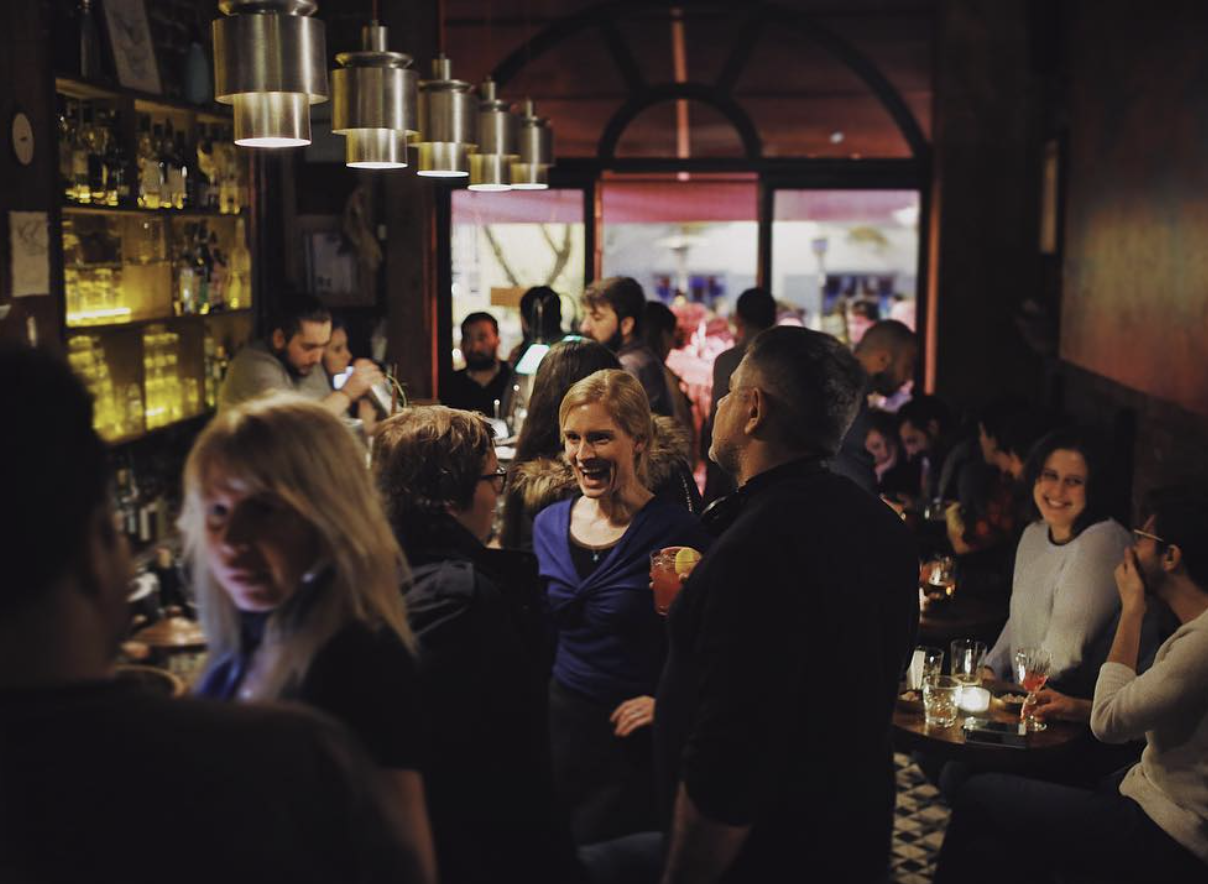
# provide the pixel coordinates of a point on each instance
(332, 272)
(133, 49)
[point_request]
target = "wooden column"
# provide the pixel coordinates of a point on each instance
(418, 305)
(987, 193)
(26, 85)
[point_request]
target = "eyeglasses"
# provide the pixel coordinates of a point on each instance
(498, 478)
(1145, 534)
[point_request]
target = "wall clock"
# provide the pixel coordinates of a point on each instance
(23, 139)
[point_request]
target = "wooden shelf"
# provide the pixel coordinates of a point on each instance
(144, 102)
(139, 323)
(76, 209)
(205, 413)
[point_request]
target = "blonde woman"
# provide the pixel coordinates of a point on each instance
(297, 572)
(594, 557)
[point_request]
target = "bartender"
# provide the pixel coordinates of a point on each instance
(291, 359)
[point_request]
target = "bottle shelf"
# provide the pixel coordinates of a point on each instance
(102, 327)
(144, 102)
(80, 209)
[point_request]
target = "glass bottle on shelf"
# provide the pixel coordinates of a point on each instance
(79, 157)
(95, 138)
(67, 126)
(218, 275)
(207, 183)
(149, 182)
(117, 191)
(186, 284)
(164, 146)
(180, 172)
(203, 264)
(238, 269)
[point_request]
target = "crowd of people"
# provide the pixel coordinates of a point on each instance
(425, 664)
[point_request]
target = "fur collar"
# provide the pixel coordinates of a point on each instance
(541, 482)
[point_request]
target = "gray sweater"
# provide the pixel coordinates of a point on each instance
(1168, 705)
(255, 371)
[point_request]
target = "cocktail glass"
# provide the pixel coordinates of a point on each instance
(1032, 671)
(665, 576)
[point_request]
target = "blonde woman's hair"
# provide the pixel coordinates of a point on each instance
(623, 398)
(302, 455)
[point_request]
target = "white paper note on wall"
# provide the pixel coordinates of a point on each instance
(29, 241)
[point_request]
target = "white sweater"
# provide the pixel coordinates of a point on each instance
(1063, 598)
(1168, 705)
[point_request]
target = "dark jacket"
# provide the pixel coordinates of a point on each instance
(786, 645)
(535, 484)
(484, 669)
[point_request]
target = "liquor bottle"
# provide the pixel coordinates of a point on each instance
(79, 157)
(203, 264)
(66, 138)
(218, 275)
(206, 181)
(180, 170)
(148, 167)
(118, 193)
(96, 140)
(238, 267)
(186, 285)
(165, 145)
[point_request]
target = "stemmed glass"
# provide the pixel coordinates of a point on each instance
(1032, 671)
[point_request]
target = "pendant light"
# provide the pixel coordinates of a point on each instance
(446, 123)
(491, 163)
(270, 63)
(373, 103)
(531, 172)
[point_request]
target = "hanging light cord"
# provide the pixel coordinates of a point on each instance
(376, 20)
(440, 27)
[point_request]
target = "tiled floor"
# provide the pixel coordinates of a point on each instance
(918, 831)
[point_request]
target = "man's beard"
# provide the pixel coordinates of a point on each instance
(725, 457)
(293, 370)
(479, 363)
(882, 383)
(615, 342)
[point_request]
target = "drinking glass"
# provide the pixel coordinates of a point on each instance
(966, 660)
(940, 578)
(1032, 671)
(665, 577)
(939, 700)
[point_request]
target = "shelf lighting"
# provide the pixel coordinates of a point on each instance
(269, 63)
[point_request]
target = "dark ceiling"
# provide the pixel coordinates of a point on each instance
(801, 99)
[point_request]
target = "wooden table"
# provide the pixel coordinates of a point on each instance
(961, 617)
(1044, 748)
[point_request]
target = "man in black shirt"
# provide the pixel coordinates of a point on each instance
(485, 379)
(104, 781)
(787, 642)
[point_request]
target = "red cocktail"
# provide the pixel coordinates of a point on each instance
(666, 568)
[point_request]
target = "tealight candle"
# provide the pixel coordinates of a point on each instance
(973, 700)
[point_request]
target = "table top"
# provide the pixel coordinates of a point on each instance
(912, 733)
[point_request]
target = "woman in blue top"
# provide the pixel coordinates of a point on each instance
(594, 556)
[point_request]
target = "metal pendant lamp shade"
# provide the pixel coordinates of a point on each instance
(270, 63)
(374, 99)
(491, 163)
(531, 172)
(447, 117)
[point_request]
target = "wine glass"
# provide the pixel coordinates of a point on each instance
(1032, 671)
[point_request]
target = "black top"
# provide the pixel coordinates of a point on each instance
(483, 672)
(464, 392)
(362, 676)
(786, 646)
(585, 558)
(109, 782)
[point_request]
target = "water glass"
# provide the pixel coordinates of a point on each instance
(939, 700)
(966, 660)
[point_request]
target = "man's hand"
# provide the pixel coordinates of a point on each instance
(1054, 704)
(365, 374)
(634, 713)
(1130, 584)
